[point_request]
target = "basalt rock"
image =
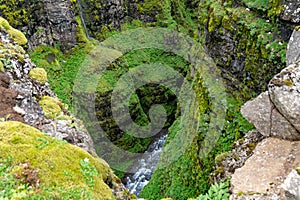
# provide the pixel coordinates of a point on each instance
(53, 22)
(45, 22)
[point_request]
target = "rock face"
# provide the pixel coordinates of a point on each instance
(265, 171)
(291, 11)
(293, 53)
(291, 186)
(242, 49)
(53, 22)
(228, 162)
(102, 16)
(20, 94)
(45, 22)
(276, 112)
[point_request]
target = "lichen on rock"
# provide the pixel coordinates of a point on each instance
(1, 67)
(51, 106)
(39, 74)
(16, 35)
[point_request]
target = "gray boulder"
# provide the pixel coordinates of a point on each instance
(268, 121)
(293, 53)
(284, 91)
(291, 186)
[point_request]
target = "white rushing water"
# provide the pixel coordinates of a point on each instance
(146, 166)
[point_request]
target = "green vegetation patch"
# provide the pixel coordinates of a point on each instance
(51, 106)
(15, 34)
(38, 74)
(61, 68)
(64, 171)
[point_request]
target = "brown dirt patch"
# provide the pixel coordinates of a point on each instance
(8, 100)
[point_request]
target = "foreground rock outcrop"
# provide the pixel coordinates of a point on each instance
(264, 172)
(270, 173)
(276, 112)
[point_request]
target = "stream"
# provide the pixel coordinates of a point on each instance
(146, 166)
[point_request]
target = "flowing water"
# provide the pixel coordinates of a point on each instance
(146, 166)
(82, 19)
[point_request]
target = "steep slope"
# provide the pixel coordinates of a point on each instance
(247, 40)
(36, 160)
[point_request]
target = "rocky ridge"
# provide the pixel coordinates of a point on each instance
(26, 93)
(270, 171)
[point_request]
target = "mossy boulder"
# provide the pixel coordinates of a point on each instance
(38, 74)
(15, 34)
(59, 163)
(51, 106)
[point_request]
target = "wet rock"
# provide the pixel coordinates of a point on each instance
(52, 22)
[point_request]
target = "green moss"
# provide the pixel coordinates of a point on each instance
(240, 193)
(1, 67)
(227, 24)
(51, 106)
(21, 142)
(150, 6)
(15, 34)
(80, 33)
(14, 11)
(38, 74)
(219, 158)
(217, 14)
(298, 170)
(288, 82)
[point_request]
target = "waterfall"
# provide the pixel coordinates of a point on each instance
(146, 166)
(82, 19)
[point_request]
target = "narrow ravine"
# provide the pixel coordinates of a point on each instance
(146, 166)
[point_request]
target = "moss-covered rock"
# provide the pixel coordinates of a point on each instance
(51, 106)
(38, 74)
(1, 67)
(298, 170)
(60, 165)
(15, 34)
